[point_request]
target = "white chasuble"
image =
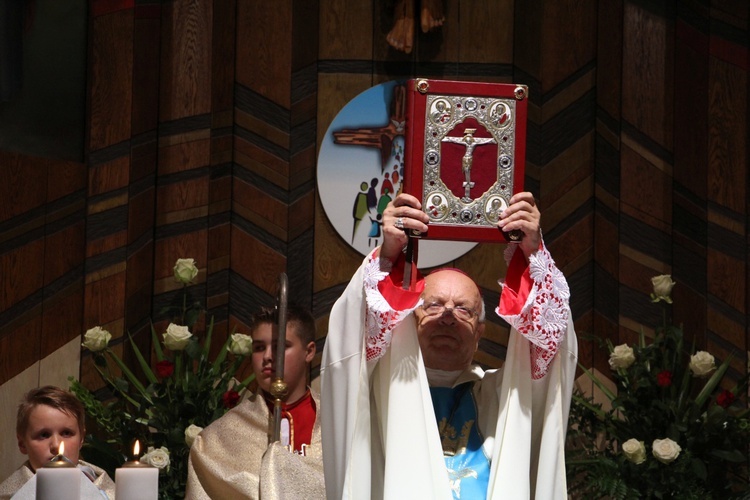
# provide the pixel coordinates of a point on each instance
(380, 435)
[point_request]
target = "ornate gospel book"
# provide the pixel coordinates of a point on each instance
(464, 151)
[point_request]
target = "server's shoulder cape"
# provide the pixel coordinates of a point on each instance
(231, 458)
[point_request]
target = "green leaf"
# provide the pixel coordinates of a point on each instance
(209, 335)
(129, 374)
(194, 350)
(729, 455)
(589, 405)
(99, 360)
(191, 316)
(144, 366)
(245, 383)
(156, 344)
(598, 383)
(216, 367)
(702, 396)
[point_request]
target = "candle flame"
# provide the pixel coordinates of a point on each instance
(61, 449)
(136, 448)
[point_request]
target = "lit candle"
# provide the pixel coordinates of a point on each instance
(58, 479)
(136, 480)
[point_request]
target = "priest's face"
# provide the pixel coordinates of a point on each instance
(47, 428)
(448, 324)
(298, 357)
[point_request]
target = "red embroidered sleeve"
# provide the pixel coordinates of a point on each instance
(534, 301)
(387, 304)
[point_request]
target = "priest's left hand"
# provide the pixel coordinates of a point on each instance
(523, 214)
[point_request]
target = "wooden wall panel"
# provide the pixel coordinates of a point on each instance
(274, 152)
(20, 348)
(20, 193)
(727, 134)
(494, 20)
(607, 186)
(691, 177)
(146, 53)
(264, 48)
(220, 189)
(205, 118)
(346, 29)
(647, 82)
(609, 56)
(42, 240)
(186, 36)
(111, 79)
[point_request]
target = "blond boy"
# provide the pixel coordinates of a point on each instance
(47, 417)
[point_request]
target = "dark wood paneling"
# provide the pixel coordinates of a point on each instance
(20, 349)
(647, 73)
(185, 59)
(609, 56)
(111, 79)
(264, 48)
(256, 261)
(146, 53)
(727, 135)
(20, 191)
(691, 106)
(204, 117)
(346, 29)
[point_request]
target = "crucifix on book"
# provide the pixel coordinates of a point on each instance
(470, 142)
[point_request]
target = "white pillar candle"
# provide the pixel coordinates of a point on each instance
(58, 482)
(136, 481)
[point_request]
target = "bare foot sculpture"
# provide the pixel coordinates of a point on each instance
(401, 36)
(432, 15)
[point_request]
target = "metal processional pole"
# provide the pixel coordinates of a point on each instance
(278, 386)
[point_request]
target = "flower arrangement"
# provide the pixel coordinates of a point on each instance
(671, 432)
(182, 393)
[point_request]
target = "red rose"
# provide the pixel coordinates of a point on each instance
(724, 399)
(164, 369)
(230, 399)
(664, 379)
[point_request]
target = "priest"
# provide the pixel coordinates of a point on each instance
(405, 413)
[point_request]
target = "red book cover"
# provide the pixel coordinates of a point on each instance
(465, 152)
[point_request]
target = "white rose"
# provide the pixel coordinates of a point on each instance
(621, 357)
(177, 337)
(191, 432)
(634, 451)
(241, 344)
(701, 364)
(158, 457)
(666, 450)
(96, 339)
(662, 288)
(185, 270)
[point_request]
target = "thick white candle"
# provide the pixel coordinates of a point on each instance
(58, 483)
(135, 481)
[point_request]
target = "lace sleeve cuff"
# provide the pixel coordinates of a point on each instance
(383, 314)
(540, 311)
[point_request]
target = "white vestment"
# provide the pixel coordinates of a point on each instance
(380, 437)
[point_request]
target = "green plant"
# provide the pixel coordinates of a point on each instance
(671, 432)
(183, 392)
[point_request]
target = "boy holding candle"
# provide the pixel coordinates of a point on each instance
(47, 417)
(231, 458)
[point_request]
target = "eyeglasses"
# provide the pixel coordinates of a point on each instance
(438, 309)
